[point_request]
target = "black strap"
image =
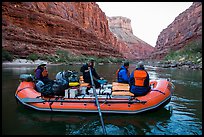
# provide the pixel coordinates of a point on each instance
(158, 91)
(133, 97)
(62, 101)
(39, 96)
(23, 89)
(50, 104)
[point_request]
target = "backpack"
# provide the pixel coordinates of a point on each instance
(59, 86)
(27, 77)
(73, 77)
(63, 75)
(44, 89)
(50, 89)
(39, 85)
(69, 76)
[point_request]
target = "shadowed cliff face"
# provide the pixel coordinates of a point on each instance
(44, 27)
(136, 48)
(186, 27)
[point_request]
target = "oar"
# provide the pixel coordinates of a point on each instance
(99, 110)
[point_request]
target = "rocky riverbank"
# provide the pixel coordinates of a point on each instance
(25, 62)
(162, 64)
(177, 64)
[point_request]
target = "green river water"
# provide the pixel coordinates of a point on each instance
(182, 116)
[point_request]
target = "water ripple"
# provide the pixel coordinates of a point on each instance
(176, 127)
(188, 83)
(180, 99)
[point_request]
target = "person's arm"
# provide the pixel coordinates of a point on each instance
(131, 82)
(125, 76)
(147, 79)
(84, 68)
(147, 76)
(38, 74)
(94, 73)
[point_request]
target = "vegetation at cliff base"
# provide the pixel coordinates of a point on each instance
(61, 56)
(32, 57)
(191, 52)
(66, 57)
(6, 56)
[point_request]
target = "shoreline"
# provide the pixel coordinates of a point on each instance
(23, 61)
(178, 65)
(29, 62)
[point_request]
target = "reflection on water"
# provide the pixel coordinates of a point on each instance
(182, 116)
(89, 124)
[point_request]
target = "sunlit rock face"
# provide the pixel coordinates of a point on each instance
(121, 23)
(45, 27)
(186, 27)
(136, 48)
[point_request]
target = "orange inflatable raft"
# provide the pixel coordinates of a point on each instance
(113, 98)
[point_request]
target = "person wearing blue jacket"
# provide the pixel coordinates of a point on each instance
(123, 73)
(139, 81)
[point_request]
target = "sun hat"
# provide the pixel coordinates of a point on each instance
(42, 64)
(140, 64)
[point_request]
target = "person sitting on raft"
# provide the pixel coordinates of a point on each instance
(123, 73)
(86, 74)
(139, 80)
(41, 73)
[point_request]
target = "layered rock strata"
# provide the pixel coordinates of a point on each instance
(186, 27)
(45, 27)
(136, 48)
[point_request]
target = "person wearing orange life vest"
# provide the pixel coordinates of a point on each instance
(41, 73)
(123, 73)
(139, 81)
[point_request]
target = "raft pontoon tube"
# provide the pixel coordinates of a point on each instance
(113, 98)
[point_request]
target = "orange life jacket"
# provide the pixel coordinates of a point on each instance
(44, 72)
(140, 76)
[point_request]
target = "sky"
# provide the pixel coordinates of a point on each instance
(148, 19)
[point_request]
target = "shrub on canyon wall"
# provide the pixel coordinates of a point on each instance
(6, 56)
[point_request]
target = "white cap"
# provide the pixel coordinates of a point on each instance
(42, 64)
(140, 64)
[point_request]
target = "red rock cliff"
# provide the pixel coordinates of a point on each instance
(186, 27)
(45, 27)
(134, 47)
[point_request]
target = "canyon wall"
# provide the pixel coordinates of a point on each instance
(136, 48)
(45, 27)
(186, 27)
(80, 28)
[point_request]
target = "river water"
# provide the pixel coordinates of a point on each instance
(182, 116)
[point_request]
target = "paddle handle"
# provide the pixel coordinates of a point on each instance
(97, 103)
